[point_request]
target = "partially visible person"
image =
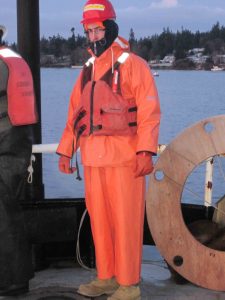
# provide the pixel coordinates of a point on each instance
(17, 111)
(114, 117)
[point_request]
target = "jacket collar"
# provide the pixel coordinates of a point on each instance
(119, 45)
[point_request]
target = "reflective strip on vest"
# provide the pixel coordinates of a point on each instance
(90, 61)
(8, 53)
(121, 59)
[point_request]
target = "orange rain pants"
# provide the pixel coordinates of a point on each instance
(115, 202)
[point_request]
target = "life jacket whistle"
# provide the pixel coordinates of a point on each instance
(19, 89)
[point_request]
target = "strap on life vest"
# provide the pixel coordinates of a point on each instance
(3, 93)
(121, 59)
(3, 114)
(81, 114)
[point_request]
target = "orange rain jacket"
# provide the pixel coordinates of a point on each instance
(137, 82)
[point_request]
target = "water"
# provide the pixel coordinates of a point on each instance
(186, 97)
(56, 86)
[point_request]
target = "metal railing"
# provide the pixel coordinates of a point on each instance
(51, 148)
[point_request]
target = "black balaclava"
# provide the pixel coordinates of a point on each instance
(111, 33)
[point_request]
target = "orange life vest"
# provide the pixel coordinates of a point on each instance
(103, 110)
(19, 90)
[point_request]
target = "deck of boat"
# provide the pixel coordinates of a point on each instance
(62, 280)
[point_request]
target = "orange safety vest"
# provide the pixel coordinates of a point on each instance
(102, 109)
(19, 90)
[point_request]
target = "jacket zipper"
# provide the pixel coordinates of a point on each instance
(92, 107)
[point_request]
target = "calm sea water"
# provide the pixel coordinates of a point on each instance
(186, 97)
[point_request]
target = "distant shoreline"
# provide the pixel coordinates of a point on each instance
(152, 66)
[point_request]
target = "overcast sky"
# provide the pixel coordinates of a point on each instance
(146, 17)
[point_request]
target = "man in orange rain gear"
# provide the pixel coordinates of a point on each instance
(113, 117)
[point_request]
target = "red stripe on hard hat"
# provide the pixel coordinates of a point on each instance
(98, 11)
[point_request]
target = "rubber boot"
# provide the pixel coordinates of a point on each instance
(131, 292)
(98, 287)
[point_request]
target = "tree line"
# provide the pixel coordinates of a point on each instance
(158, 46)
(153, 47)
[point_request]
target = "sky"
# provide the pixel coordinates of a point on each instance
(145, 17)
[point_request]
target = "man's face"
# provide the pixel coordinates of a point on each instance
(95, 33)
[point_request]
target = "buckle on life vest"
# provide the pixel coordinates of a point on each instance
(132, 124)
(81, 130)
(96, 128)
(132, 109)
